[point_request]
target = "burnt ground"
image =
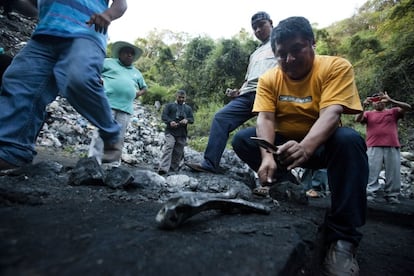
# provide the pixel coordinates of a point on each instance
(51, 228)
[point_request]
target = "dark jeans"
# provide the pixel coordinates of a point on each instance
(227, 119)
(344, 156)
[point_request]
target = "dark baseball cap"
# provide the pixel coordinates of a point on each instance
(259, 16)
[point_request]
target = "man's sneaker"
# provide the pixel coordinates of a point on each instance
(340, 259)
(392, 200)
(199, 168)
(6, 165)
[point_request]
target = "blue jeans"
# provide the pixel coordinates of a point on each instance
(227, 119)
(315, 179)
(41, 70)
(344, 156)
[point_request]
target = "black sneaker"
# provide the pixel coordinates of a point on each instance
(199, 168)
(340, 259)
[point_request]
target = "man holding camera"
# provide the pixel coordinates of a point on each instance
(383, 144)
(176, 116)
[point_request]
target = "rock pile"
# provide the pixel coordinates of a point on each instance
(64, 128)
(67, 130)
(15, 32)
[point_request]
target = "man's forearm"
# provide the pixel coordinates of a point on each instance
(117, 9)
(402, 105)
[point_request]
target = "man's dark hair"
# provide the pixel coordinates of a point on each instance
(181, 92)
(291, 27)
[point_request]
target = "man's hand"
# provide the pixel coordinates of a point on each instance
(267, 169)
(292, 154)
(183, 122)
(174, 124)
(101, 22)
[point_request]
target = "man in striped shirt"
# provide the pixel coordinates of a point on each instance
(64, 55)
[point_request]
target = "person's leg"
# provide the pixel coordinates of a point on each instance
(247, 149)
(114, 159)
(167, 150)
(375, 161)
(230, 117)
(345, 155)
(322, 177)
(392, 163)
(78, 76)
(307, 179)
(96, 147)
(28, 86)
(178, 153)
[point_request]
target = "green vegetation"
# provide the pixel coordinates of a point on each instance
(378, 40)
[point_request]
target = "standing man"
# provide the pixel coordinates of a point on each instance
(176, 116)
(65, 55)
(123, 83)
(299, 106)
(383, 144)
(239, 109)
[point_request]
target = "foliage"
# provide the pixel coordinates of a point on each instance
(378, 40)
(155, 93)
(194, 58)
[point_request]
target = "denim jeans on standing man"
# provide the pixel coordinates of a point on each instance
(227, 119)
(42, 69)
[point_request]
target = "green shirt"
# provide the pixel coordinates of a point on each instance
(121, 84)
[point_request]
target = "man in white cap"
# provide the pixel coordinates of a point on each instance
(239, 109)
(123, 83)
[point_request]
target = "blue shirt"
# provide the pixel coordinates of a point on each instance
(64, 18)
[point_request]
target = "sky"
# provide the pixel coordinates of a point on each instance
(220, 18)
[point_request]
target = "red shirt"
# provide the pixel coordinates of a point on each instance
(382, 128)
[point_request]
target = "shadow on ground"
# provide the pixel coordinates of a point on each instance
(51, 228)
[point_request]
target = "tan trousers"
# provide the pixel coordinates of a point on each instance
(172, 153)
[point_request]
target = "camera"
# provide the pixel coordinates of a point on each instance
(231, 92)
(375, 99)
(179, 118)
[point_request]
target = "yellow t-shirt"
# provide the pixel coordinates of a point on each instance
(296, 104)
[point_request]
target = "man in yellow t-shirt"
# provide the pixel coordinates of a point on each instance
(299, 106)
